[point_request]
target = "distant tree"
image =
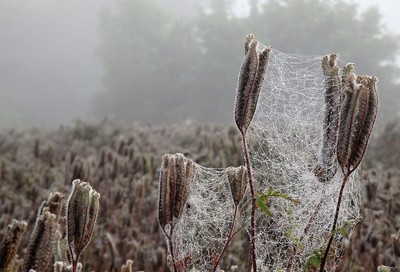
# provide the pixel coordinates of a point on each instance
(159, 67)
(318, 27)
(147, 55)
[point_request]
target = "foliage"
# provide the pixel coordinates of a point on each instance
(36, 162)
(263, 198)
(163, 67)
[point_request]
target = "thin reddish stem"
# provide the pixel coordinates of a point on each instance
(171, 248)
(253, 204)
(345, 178)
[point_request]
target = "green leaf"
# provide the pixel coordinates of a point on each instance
(314, 261)
(263, 198)
(261, 201)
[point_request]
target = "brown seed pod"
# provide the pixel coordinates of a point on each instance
(176, 175)
(249, 39)
(237, 177)
(327, 165)
(250, 80)
(128, 267)
(39, 252)
(82, 210)
(358, 114)
(53, 204)
(9, 244)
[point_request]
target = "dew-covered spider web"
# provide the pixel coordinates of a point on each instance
(285, 140)
(202, 230)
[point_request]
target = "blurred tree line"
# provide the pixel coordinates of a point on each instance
(165, 66)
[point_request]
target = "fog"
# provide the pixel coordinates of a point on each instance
(61, 60)
(48, 65)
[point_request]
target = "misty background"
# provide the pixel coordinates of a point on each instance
(169, 61)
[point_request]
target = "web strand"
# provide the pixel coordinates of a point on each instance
(285, 141)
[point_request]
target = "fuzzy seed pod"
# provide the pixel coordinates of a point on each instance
(128, 267)
(327, 165)
(53, 204)
(9, 244)
(237, 177)
(82, 211)
(358, 113)
(65, 267)
(39, 252)
(176, 175)
(250, 80)
(60, 248)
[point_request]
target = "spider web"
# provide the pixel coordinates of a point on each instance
(201, 232)
(285, 140)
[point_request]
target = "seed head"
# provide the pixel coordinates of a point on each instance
(237, 177)
(176, 175)
(9, 244)
(39, 252)
(250, 80)
(82, 211)
(327, 165)
(358, 114)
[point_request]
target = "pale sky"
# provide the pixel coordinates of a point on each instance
(389, 10)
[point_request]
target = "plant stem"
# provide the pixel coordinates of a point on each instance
(253, 204)
(227, 240)
(345, 178)
(171, 248)
(74, 265)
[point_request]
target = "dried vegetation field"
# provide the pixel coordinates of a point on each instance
(122, 162)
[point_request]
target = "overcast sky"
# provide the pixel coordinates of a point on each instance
(389, 10)
(50, 45)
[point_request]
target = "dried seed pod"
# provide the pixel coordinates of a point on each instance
(176, 175)
(53, 204)
(237, 177)
(327, 166)
(61, 267)
(250, 80)
(181, 186)
(249, 39)
(39, 252)
(128, 267)
(358, 114)
(9, 244)
(60, 248)
(82, 211)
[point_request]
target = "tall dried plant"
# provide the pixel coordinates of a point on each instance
(82, 210)
(327, 165)
(39, 252)
(9, 244)
(176, 175)
(358, 113)
(237, 178)
(251, 77)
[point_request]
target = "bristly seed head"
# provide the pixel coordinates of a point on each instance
(237, 177)
(250, 80)
(358, 114)
(327, 165)
(9, 244)
(38, 255)
(176, 175)
(82, 210)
